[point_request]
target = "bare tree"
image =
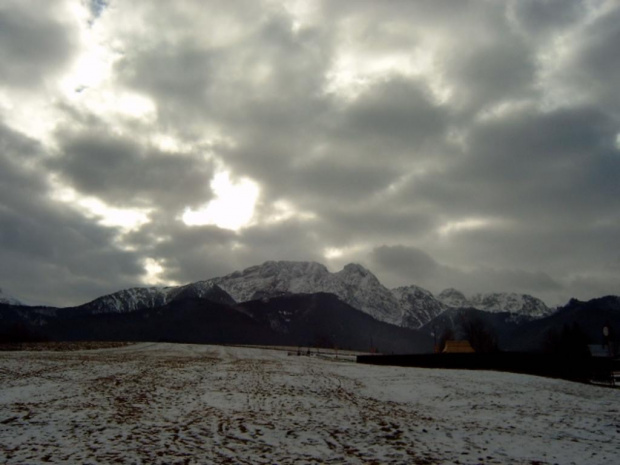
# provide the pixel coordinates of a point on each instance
(481, 336)
(446, 335)
(570, 340)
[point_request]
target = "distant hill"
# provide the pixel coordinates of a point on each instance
(324, 320)
(589, 316)
(407, 306)
(510, 302)
(303, 302)
(299, 320)
(522, 333)
(502, 324)
(8, 299)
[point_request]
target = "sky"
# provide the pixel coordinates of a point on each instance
(444, 143)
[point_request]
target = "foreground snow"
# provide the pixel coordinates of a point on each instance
(162, 403)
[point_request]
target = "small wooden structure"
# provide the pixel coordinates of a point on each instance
(458, 347)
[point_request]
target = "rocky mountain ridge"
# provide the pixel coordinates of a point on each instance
(419, 306)
(295, 303)
(510, 302)
(8, 299)
(138, 298)
(407, 306)
(354, 285)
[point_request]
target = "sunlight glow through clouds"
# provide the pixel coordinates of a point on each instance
(333, 252)
(285, 211)
(355, 70)
(153, 270)
(86, 84)
(341, 255)
(233, 205)
(89, 80)
(168, 143)
(126, 219)
(91, 67)
(467, 224)
(31, 115)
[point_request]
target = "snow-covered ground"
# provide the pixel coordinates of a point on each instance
(190, 404)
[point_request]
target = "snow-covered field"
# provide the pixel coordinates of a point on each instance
(190, 404)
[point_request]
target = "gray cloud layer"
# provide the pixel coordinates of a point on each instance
(34, 42)
(443, 143)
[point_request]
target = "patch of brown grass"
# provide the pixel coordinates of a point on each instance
(62, 346)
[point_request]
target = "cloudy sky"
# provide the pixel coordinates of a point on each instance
(457, 143)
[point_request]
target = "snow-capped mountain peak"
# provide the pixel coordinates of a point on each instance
(354, 285)
(356, 275)
(408, 306)
(128, 300)
(273, 278)
(511, 302)
(452, 298)
(8, 299)
(418, 305)
(137, 298)
(355, 268)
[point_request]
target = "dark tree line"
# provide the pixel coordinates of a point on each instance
(19, 332)
(570, 340)
(480, 335)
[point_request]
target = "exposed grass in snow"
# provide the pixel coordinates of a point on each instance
(164, 403)
(61, 346)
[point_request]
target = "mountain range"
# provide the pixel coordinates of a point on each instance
(258, 298)
(8, 299)
(407, 306)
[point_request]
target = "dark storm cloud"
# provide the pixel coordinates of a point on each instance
(373, 222)
(187, 254)
(342, 181)
(493, 71)
(593, 65)
(546, 246)
(527, 165)
(263, 90)
(278, 125)
(478, 139)
(460, 14)
(49, 252)
(352, 154)
(483, 58)
(265, 77)
(395, 116)
(538, 18)
(33, 43)
(587, 285)
(410, 264)
(175, 75)
(122, 171)
(301, 242)
(547, 179)
(197, 253)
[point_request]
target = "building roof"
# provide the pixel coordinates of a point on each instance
(458, 347)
